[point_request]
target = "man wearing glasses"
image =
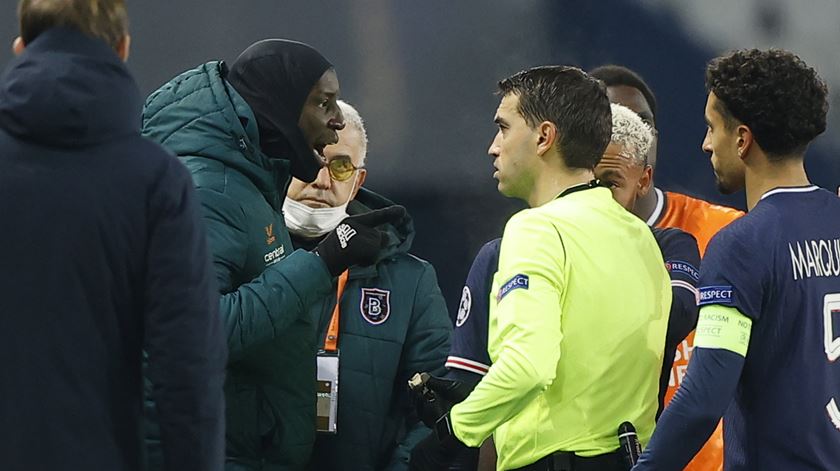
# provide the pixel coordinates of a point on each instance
(390, 321)
(243, 131)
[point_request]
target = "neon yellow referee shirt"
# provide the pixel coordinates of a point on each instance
(578, 314)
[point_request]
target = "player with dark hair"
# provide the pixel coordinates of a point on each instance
(622, 170)
(770, 282)
(615, 76)
(559, 96)
(556, 260)
(666, 209)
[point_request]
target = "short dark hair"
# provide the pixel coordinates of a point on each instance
(780, 98)
(101, 19)
(575, 102)
(617, 75)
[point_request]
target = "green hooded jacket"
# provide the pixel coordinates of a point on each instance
(393, 323)
(267, 289)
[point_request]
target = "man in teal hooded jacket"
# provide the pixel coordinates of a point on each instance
(242, 133)
(391, 320)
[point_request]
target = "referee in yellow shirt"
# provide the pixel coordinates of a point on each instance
(580, 302)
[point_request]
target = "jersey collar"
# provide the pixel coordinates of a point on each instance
(657, 211)
(579, 187)
(790, 189)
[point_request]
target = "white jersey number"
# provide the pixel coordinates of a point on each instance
(831, 308)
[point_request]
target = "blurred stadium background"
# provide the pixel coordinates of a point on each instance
(423, 75)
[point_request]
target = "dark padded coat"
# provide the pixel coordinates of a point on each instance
(393, 323)
(267, 289)
(102, 253)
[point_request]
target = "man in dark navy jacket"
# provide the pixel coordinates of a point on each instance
(102, 256)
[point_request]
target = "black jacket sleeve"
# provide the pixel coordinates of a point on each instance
(183, 333)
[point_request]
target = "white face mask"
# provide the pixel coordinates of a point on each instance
(310, 223)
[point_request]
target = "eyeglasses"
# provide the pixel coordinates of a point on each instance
(342, 168)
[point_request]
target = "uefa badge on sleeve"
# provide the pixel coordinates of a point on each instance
(518, 281)
(375, 305)
(464, 307)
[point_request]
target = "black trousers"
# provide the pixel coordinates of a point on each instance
(565, 461)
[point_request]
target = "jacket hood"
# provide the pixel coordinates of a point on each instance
(68, 90)
(400, 234)
(274, 77)
(199, 114)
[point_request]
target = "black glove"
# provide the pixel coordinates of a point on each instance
(451, 390)
(434, 454)
(437, 396)
(356, 241)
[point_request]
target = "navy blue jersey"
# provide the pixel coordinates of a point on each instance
(469, 341)
(682, 259)
(780, 266)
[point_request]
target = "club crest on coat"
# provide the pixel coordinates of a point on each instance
(375, 305)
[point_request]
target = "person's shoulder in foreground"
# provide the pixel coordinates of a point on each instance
(127, 270)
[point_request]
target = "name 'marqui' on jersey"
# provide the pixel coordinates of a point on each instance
(819, 258)
(780, 266)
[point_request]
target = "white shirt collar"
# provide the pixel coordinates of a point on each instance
(794, 189)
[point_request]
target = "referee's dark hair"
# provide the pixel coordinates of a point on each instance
(576, 103)
(773, 92)
(617, 75)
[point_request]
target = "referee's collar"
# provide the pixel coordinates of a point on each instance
(579, 187)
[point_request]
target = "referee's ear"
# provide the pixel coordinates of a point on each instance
(546, 137)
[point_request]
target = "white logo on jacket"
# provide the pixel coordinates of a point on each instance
(274, 256)
(345, 233)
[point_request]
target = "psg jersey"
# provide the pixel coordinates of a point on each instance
(469, 340)
(780, 266)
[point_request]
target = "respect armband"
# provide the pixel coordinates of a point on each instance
(723, 327)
